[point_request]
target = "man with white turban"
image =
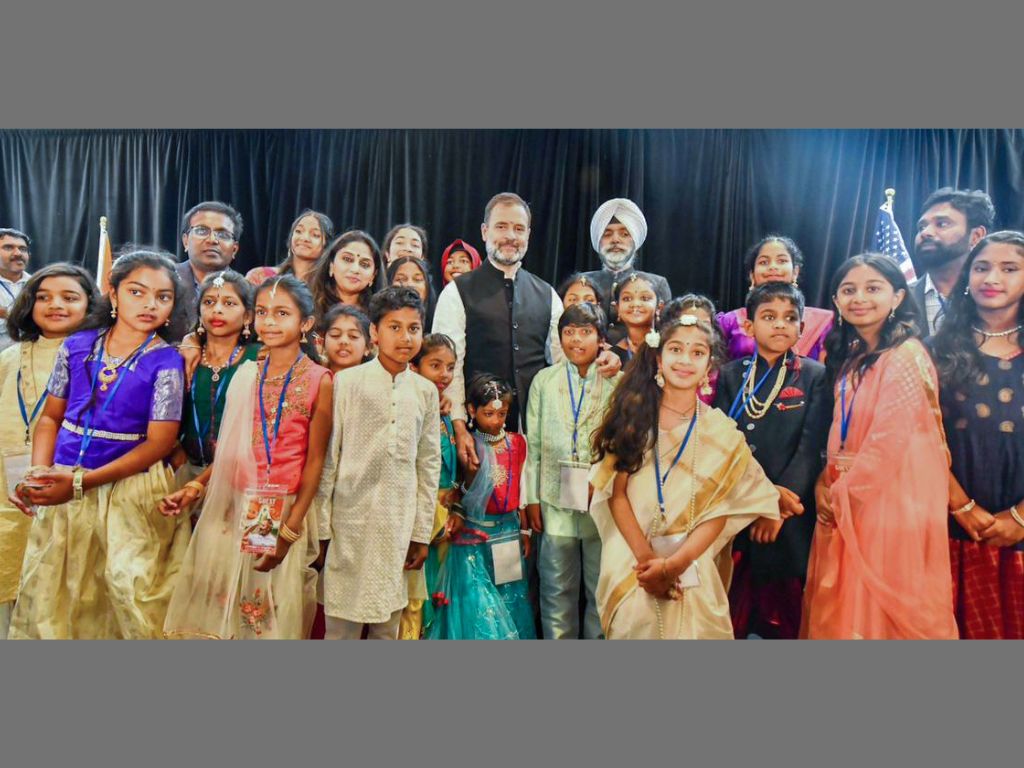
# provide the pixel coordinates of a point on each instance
(617, 231)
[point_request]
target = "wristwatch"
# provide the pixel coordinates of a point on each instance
(76, 483)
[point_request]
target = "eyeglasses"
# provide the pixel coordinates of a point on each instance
(220, 235)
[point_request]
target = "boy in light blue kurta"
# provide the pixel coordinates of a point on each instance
(567, 403)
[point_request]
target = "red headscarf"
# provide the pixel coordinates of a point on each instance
(458, 245)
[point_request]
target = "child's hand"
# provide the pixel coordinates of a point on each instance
(789, 502)
(534, 516)
(446, 405)
(976, 522)
(452, 526)
(53, 486)
(416, 556)
(1003, 532)
(823, 502)
(321, 558)
(608, 364)
(655, 578)
(175, 503)
(765, 530)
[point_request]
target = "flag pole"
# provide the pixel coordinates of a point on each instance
(103, 258)
(890, 194)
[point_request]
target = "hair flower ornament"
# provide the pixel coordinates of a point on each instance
(653, 339)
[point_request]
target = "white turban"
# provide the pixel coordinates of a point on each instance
(627, 212)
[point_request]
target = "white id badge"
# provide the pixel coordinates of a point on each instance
(666, 546)
(261, 518)
(840, 462)
(508, 564)
(573, 489)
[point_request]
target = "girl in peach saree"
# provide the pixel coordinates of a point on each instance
(879, 564)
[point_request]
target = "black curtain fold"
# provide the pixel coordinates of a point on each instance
(707, 194)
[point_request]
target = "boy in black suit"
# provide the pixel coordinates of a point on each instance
(783, 405)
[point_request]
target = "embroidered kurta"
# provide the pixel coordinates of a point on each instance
(35, 361)
(549, 420)
(379, 488)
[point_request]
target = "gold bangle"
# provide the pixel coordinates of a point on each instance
(1016, 515)
(288, 534)
(198, 487)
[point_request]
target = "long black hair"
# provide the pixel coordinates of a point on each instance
(845, 348)
(303, 299)
(130, 259)
(421, 265)
(954, 349)
(631, 421)
(287, 267)
(20, 324)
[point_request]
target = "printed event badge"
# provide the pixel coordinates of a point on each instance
(573, 488)
(665, 546)
(261, 518)
(507, 558)
(839, 463)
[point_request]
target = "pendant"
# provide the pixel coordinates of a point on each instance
(107, 377)
(216, 376)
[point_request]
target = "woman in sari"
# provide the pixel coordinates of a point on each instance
(674, 483)
(879, 563)
(772, 259)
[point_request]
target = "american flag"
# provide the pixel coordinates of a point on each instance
(889, 240)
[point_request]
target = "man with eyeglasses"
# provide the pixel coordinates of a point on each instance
(14, 256)
(210, 233)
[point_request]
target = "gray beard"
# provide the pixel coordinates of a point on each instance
(494, 254)
(615, 262)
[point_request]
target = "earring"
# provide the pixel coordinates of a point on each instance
(246, 332)
(659, 379)
(200, 330)
(303, 339)
(469, 424)
(840, 318)
(705, 387)
(167, 322)
(967, 290)
(892, 314)
(113, 311)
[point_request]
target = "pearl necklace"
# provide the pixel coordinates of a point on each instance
(493, 439)
(755, 408)
(986, 335)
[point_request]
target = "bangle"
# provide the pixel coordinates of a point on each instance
(1016, 515)
(664, 567)
(189, 346)
(288, 534)
(526, 532)
(965, 508)
(196, 486)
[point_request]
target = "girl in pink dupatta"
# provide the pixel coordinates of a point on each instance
(879, 563)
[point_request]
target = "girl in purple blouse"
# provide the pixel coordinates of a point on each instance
(101, 559)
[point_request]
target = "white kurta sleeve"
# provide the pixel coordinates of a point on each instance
(428, 471)
(531, 467)
(450, 319)
(554, 353)
(325, 492)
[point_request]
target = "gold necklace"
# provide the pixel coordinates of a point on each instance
(755, 408)
(109, 372)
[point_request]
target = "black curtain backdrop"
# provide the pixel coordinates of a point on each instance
(707, 194)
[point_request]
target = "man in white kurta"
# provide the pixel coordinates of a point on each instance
(378, 489)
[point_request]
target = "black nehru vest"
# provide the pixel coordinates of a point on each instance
(507, 324)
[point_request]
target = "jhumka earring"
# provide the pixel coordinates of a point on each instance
(705, 387)
(200, 330)
(303, 339)
(246, 332)
(659, 379)
(892, 313)
(113, 311)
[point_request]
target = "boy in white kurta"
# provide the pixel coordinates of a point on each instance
(380, 476)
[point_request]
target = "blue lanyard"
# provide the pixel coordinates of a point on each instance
(508, 478)
(87, 429)
(24, 411)
(280, 408)
(9, 291)
(202, 433)
(737, 408)
(845, 415)
(576, 408)
(658, 477)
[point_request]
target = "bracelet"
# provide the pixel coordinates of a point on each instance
(189, 346)
(664, 567)
(965, 508)
(526, 532)
(288, 534)
(196, 486)
(1016, 515)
